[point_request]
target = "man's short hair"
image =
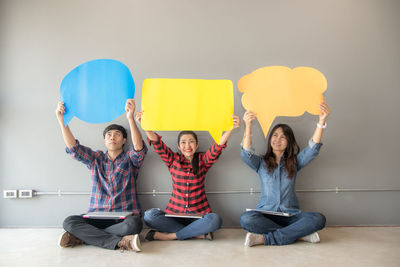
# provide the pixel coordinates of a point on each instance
(115, 127)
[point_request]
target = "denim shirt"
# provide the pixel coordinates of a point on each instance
(277, 190)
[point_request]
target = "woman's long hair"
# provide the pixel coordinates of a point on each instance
(195, 160)
(290, 154)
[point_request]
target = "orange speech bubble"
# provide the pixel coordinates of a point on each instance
(281, 91)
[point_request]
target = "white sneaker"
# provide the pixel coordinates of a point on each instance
(136, 243)
(312, 238)
(252, 239)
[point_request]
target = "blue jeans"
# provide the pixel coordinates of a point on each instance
(279, 230)
(184, 228)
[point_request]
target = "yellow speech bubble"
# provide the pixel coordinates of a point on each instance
(187, 104)
(281, 91)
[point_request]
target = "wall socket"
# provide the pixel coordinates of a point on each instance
(10, 193)
(25, 193)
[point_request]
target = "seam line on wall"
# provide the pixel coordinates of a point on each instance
(251, 191)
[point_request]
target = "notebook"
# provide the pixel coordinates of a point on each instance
(278, 213)
(107, 214)
(185, 215)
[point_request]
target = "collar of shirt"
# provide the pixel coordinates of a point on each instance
(107, 157)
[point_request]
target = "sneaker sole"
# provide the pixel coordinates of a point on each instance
(315, 238)
(136, 243)
(246, 241)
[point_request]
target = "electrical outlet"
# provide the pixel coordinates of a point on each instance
(25, 193)
(10, 193)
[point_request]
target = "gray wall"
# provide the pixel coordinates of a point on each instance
(354, 43)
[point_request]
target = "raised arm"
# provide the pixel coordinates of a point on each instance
(325, 111)
(247, 152)
(227, 134)
(248, 118)
(160, 147)
(69, 138)
(150, 134)
(135, 133)
(213, 153)
(314, 145)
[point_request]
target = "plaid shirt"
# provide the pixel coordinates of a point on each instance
(188, 193)
(113, 182)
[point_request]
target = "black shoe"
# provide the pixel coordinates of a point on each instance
(209, 236)
(150, 235)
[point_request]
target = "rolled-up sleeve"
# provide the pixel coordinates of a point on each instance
(83, 154)
(137, 157)
(250, 158)
(212, 154)
(308, 154)
(165, 153)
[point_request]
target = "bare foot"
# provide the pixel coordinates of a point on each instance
(164, 236)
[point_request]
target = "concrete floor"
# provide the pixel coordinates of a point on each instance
(340, 246)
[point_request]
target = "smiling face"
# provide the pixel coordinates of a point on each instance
(278, 141)
(114, 140)
(188, 145)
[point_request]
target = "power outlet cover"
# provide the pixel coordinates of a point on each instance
(25, 193)
(10, 193)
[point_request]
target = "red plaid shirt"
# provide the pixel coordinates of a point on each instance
(188, 194)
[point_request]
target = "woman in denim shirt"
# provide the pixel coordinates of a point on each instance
(277, 171)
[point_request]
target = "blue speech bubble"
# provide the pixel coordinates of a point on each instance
(96, 91)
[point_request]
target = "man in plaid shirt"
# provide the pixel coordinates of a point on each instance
(188, 171)
(114, 176)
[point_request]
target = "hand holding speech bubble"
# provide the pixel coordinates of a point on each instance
(96, 91)
(281, 91)
(187, 104)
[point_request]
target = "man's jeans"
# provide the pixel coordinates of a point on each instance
(103, 233)
(183, 227)
(280, 230)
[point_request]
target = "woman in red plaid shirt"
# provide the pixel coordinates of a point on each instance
(188, 171)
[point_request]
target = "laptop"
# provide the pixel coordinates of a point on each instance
(185, 215)
(277, 213)
(107, 214)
